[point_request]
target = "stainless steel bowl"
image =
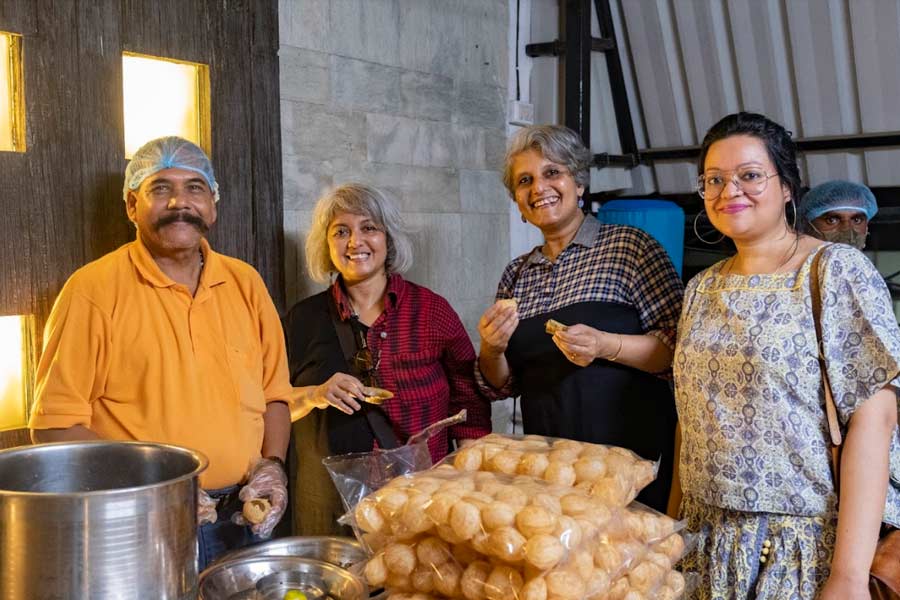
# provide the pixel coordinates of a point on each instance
(339, 551)
(237, 579)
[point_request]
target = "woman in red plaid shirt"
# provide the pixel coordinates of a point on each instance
(406, 339)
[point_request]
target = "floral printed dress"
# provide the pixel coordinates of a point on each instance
(754, 458)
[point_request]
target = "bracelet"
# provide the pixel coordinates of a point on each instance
(615, 356)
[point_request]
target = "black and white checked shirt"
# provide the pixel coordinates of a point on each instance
(603, 263)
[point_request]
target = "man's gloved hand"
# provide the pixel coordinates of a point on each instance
(206, 508)
(267, 480)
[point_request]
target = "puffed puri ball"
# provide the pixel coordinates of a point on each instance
(432, 551)
(535, 589)
(375, 571)
(534, 520)
(399, 558)
(473, 578)
(507, 544)
(533, 464)
(465, 520)
(368, 517)
(438, 510)
(504, 583)
(498, 514)
(468, 459)
(446, 579)
(544, 551)
(422, 579)
(506, 461)
(565, 585)
(391, 502)
(560, 473)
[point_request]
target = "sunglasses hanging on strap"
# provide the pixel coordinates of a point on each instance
(884, 574)
(361, 364)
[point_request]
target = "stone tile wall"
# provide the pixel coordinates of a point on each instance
(408, 95)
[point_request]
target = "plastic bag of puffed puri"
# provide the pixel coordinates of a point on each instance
(613, 474)
(655, 576)
(431, 566)
(637, 531)
(357, 475)
(479, 535)
(494, 514)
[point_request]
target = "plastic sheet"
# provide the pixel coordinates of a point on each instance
(359, 474)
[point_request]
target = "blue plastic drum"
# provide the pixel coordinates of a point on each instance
(662, 219)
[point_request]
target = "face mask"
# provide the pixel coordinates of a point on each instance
(847, 236)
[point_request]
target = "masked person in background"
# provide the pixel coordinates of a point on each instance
(165, 340)
(838, 211)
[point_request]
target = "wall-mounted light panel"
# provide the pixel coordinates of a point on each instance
(16, 370)
(12, 94)
(164, 97)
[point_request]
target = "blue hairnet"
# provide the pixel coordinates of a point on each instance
(837, 195)
(170, 152)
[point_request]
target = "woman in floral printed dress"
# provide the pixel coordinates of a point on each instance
(750, 394)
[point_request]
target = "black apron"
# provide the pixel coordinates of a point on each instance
(603, 403)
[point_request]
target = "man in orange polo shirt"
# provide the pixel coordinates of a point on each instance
(166, 340)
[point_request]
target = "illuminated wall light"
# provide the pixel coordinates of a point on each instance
(16, 370)
(164, 97)
(12, 113)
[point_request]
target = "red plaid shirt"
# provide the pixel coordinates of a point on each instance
(426, 358)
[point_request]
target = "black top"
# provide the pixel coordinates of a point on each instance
(314, 355)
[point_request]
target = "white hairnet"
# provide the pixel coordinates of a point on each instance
(837, 195)
(170, 152)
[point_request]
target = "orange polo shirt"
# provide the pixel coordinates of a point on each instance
(132, 355)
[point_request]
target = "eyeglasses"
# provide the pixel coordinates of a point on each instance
(751, 180)
(364, 362)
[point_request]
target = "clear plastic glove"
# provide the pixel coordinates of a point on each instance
(206, 508)
(267, 480)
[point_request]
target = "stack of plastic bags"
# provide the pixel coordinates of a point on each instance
(522, 519)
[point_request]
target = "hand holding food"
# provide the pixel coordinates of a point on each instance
(497, 325)
(341, 391)
(582, 344)
(267, 480)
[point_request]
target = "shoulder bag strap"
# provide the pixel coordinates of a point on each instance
(375, 417)
(834, 428)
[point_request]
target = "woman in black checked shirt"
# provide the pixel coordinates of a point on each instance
(616, 290)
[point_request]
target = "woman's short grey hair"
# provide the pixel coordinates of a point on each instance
(556, 143)
(358, 199)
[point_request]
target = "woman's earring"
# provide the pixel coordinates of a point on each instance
(700, 237)
(524, 220)
(580, 202)
(793, 225)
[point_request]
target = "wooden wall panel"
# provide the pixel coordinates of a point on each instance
(61, 200)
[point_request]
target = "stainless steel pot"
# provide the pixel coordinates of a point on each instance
(99, 520)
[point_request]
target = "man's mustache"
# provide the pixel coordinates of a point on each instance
(184, 217)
